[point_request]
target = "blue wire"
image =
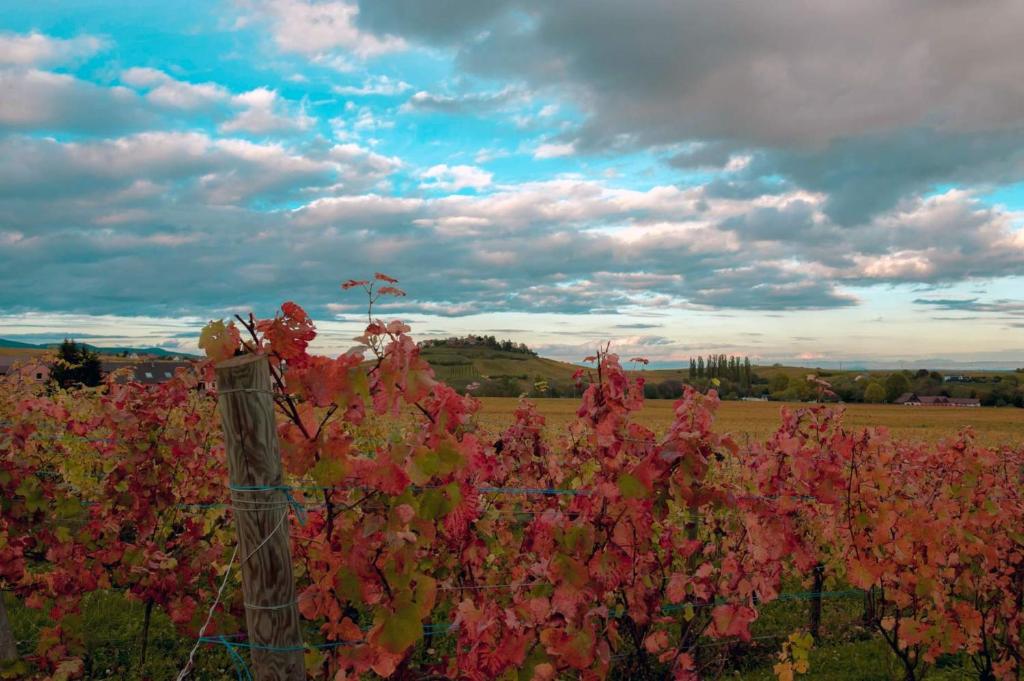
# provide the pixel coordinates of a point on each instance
(241, 668)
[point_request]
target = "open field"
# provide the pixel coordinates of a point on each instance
(759, 419)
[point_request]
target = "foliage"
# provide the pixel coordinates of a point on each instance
(895, 385)
(76, 365)
(430, 550)
(874, 393)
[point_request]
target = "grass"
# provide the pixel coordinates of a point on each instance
(757, 420)
(847, 651)
(112, 633)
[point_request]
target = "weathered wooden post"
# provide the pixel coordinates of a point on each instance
(8, 651)
(819, 584)
(261, 518)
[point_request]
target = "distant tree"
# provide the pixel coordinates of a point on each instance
(76, 365)
(693, 369)
(700, 367)
(651, 391)
(895, 385)
(874, 393)
(670, 389)
(779, 383)
(748, 374)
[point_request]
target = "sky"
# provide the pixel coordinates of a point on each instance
(792, 181)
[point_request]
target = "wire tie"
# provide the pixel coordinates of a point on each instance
(245, 390)
(240, 667)
(253, 606)
(300, 511)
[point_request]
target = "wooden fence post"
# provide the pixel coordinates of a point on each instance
(261, 518)
(819, 584)
(8, 651)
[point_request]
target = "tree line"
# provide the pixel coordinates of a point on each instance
(475, 341)
(722, 366)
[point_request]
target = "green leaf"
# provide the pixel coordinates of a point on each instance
(631, 487)
(33, 495)
(536, 657)
(401, 629)
(348, 586)
(436, 503)
(431, 504)
(329, 472)
(435, 463)
(314, 659)
(426, 594)
(425, 465)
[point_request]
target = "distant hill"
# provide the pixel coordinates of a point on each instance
(18, 344)
(155, 352)
(514, 373)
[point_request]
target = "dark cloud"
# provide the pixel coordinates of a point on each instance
(43, 101)
(704, 155)
(932, 97)
(798, 295)
(868, 174)
(157, 231)
(1013, 308)
(792, 221)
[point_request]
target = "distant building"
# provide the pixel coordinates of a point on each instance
(915, 400)
(151, 372)
(26, 367)
(148, 372)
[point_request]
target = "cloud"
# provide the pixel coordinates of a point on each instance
(468, 104)
(37, 49)
(563, 246)
(553, 150)
(316, 28)
(263, 111)
(171, 211)
(354, 210)
(792, 84)
(455, 178)
(360, 167)
(376, 85)
(865, 175)
(163, 90)
(50, 180)
(1003, 306)
(44, 101)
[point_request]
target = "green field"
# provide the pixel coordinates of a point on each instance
(757, 420)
